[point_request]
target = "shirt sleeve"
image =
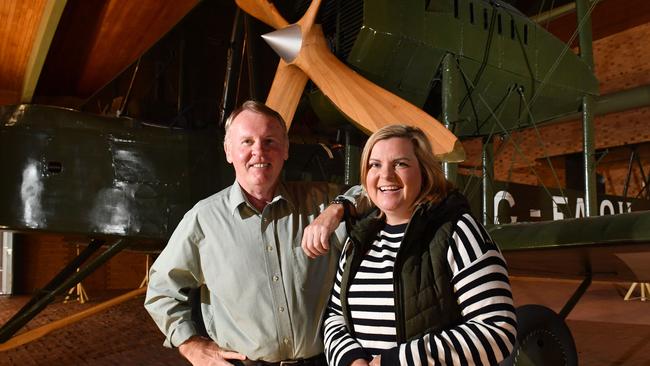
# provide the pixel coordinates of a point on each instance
(173, 274)
(356, 197)
(340, 347)
(481, 285)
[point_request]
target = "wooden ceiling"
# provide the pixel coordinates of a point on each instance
(18, 28)
(83, 44)
(57, 49)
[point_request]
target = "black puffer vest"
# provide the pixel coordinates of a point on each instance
(424, 298)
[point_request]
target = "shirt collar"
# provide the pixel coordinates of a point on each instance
(238, 198)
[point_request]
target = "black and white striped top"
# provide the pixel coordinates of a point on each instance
(480, 282)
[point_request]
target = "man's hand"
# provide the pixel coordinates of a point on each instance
(316, 236)
(376, 361)
(202, 351)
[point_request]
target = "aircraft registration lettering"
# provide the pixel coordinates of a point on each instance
(527, 203)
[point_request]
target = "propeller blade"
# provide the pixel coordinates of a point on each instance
(365, 103)
(286, 90)
(307, 20)
(264, 11)
(289, 81)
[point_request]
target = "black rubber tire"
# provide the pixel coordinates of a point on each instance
(543, 339)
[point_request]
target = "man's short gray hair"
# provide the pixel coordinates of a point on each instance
(255, 107)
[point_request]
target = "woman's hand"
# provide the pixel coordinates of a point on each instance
(376, 361)
(359, 362)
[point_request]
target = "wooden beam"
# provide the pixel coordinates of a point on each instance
(34, 334)
(44, 35)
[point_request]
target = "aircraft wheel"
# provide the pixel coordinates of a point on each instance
(543, 339)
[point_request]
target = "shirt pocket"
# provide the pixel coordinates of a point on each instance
(312, 274)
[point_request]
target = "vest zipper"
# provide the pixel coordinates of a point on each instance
(400, 326)
(354, 263)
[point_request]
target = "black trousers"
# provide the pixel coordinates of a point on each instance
(318, 360)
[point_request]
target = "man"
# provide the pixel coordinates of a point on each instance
(262, 297)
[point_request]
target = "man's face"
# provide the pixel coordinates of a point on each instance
(257, 147)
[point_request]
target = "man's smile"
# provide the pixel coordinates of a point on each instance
(260, 165)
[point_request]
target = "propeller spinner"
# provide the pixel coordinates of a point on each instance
(304, 54)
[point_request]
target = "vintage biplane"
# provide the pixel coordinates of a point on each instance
(136, 149)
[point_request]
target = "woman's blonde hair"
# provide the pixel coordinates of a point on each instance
(434, 185)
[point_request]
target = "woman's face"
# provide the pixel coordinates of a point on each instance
(394, 178)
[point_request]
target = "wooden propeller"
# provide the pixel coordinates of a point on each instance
(369, 106)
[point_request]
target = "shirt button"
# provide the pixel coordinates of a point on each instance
(286, 340)
(281, 310)
(269, 248)
(275, 278)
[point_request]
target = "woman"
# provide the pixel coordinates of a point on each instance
(420, 281)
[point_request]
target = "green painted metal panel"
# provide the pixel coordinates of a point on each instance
(610, 229)
(505, 59)
(67, 171)
(418, 75)
(372, 54)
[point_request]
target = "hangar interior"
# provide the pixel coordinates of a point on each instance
(184, 64)
(90, 66)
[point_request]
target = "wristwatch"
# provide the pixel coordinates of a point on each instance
(346, 206)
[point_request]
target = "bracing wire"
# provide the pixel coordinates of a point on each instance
(527, 105)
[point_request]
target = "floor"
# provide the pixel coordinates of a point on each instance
(607, 330)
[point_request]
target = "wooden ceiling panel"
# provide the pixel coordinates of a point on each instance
(98, 39)
(18, 28)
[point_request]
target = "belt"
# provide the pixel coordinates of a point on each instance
(318, 360)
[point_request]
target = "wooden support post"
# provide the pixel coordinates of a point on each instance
(145, 280)
(79, 289)
(643, 286)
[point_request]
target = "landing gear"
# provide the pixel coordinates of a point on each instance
(67, 278)
(543, 339)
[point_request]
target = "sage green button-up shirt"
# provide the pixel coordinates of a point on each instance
(263, 296)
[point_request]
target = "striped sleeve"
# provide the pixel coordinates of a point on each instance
(340, 347)
(481, 285)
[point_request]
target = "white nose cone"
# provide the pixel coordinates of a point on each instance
(285, 42)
